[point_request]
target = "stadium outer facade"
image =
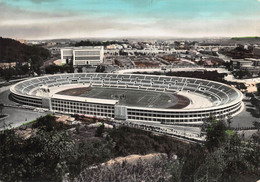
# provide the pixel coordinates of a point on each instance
(226, 101)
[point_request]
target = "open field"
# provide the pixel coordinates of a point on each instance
(129, 97)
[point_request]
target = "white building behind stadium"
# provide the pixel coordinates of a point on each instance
(82, 56)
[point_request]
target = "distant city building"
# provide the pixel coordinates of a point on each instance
(256, 51)
(54, 50)
(82, 56)
(7, 65)
(241, 63)
(250, 64)
(34, 43)
(111, 51)
(150, 51)
(114, 46)
(49, 44)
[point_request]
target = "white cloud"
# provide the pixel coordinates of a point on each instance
(87, 28)
(19, 23)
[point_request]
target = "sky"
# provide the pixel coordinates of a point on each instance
(50, 19)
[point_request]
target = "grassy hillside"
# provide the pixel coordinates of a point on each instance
(248, 37)
(13, 51)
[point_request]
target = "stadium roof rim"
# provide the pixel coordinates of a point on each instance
(238, 99)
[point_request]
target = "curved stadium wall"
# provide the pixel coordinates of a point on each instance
(227, 100)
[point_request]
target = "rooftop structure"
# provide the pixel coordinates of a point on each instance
(256, 51)
(250, 64)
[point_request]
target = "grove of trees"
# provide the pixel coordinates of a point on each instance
(53, 69)
(13, 51)
(56, 150)
(24, 55)
(208, 75)
(96, 43)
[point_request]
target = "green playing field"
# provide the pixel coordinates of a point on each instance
(129, 97)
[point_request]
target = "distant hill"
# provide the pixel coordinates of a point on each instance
(239, 53)
(246, 37)
(13, 51)
(96, 43)
(245, 40)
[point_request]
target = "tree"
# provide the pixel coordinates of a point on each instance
(80, 70)
(256, 125)
(67, 61)
(140, 170)
(256, 137)
(12, 50)
(1, 108)
(100, 130)
(242, 73)
(48, 123)
(49, 154)
(25, 69)
(216, 134)
(258, 88)
(52, 69)
(258, 74)
(100, 68)
(8, 73)
(42, 156)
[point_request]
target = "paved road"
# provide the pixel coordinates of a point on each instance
(251, 80)
(175, 69)
(187, 133)
(188, 61)
(13, 81)
(17, 117)
(194, 130)
(4, 94)
(245, 118)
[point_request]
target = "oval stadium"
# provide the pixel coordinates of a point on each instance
(131, 97)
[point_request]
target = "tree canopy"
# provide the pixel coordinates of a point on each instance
(13, 51)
